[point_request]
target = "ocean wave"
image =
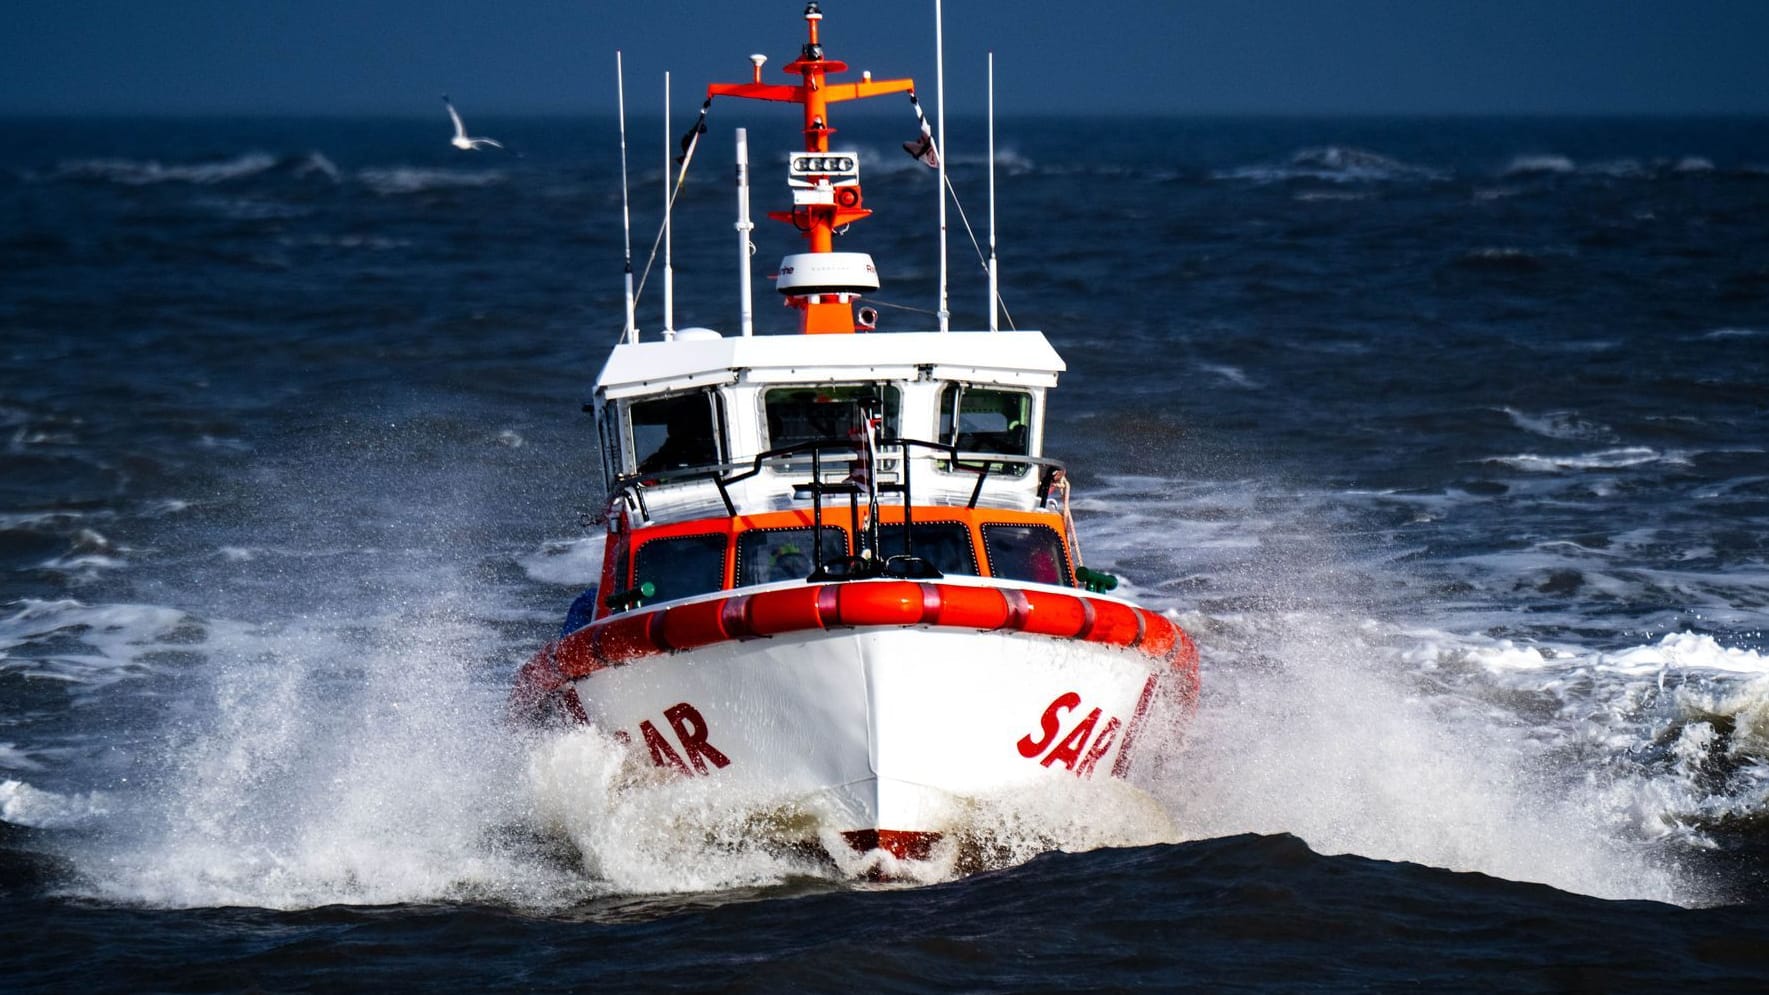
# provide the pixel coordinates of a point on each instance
(202, 172)
(1539, 165)
(93, 645)
(1734, 333)
(249, 209)
(315, 163)
(1621, 169)
(1560, 425)
(1608, 459)
(1313, 196)
(347, 241)
(1502, 258)
(1232, 375)
(143, 172)
(396, 180)
(1336, 164)
(12, 757)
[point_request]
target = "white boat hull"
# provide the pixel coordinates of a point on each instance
(887, 734)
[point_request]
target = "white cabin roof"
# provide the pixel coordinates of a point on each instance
(1020, 358)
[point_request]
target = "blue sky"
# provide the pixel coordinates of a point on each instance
(1130, 56)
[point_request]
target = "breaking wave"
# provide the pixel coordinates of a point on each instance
(1334, 164)
(1560, 425)
(1607, 459)
(206, 172)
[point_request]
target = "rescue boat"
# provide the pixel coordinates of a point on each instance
(839, 570)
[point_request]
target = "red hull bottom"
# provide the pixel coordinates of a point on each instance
(899, 843)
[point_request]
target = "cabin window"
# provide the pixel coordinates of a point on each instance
(825, 411)
(1026, 552)
(681, 566)
(986, 420)
(946, 546)
(768, 555)
(674, 433)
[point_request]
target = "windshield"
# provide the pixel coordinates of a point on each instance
(825, 411)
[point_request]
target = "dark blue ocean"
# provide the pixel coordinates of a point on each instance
(1447, 439)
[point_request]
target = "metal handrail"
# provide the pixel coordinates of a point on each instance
(723, 475)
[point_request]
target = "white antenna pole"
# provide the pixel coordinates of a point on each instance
(669, 277)
(631, 331)
(940, 109)
(744, 227)
(994, 320)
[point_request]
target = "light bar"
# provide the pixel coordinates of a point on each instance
(839, 168)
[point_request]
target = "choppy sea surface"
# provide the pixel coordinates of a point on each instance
(1448, 439)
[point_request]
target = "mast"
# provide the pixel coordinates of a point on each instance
(820, 283)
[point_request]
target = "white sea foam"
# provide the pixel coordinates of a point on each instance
(642, 831)
(577, 562)
(1607, 459)
(93, 645)
(13, 758)
(1328, 736)
(316, 163)
(24, 805)
(1230, 374)
(355, 760)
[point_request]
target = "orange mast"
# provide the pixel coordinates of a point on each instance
(825, 202)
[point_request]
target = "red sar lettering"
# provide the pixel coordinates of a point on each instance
(1073, 752)
(691, 731)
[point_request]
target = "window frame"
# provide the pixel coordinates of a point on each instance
(1066, 577)
(630, 457)
(638, 552)
(737, 560)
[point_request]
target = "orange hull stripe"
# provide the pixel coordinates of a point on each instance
(623, 638)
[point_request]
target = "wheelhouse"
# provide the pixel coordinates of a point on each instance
(736, 463)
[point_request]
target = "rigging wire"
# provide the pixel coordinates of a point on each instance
(690, 142)
(928, 151)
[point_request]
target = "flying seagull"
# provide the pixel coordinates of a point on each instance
(461, 139)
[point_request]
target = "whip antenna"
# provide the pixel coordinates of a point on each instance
(940, 109)
(994, 295)
(669, 202)
(631, 331)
